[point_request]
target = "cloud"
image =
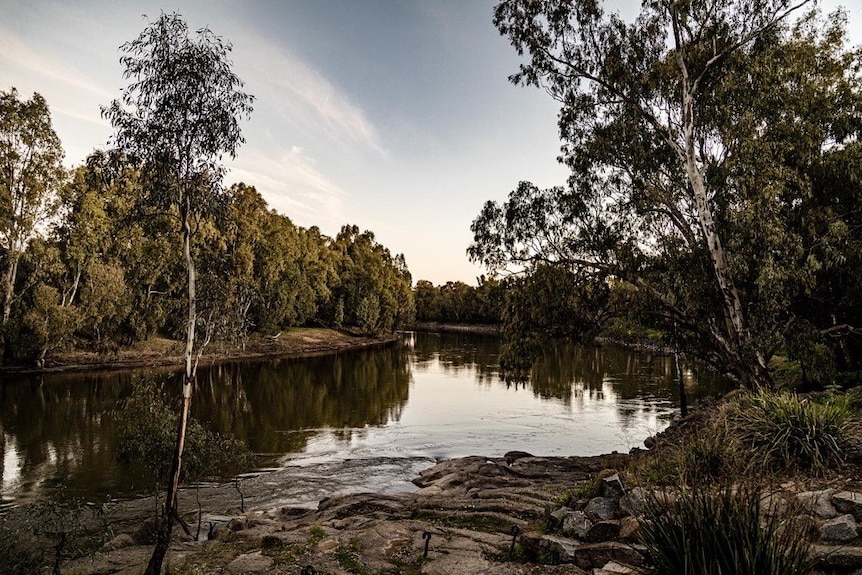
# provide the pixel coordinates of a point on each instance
(291, 184)
(292, 90)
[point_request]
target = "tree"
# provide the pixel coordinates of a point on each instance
(690, 135)
(178, 117)
(30, 170)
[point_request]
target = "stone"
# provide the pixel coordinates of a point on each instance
(848, 502)
(562, 547)
(121, 541)
(629, 529)
(773, 505)
(513, 456)
(837, 556)
(841, 528)
(601, 508)
(603, 531)
(612, 486)
(818, 503)
(614, 568)
(634, 502)
(649, 442)
(576, 523)
(249, 563)
(146, 533)
(595, 555)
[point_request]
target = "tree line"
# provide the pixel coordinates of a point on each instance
(89, 262)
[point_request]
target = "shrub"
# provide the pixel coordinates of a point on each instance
(720, 532)
(147, 436)
(786, 432)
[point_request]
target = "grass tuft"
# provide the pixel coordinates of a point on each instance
(785, 432)
(721, 531)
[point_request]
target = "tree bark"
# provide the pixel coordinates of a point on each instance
(163, 538)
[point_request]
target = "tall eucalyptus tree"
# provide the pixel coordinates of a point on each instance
(178, 117)
(689, 133)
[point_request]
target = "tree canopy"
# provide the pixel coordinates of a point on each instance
(694, 136)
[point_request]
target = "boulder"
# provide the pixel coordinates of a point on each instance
(576, 523)
(841, 528)
(612, 486)
(614, 568)
(629, 529)
(818, 503)
(250, 563)
(848, 502)
(832, 556)
(603, 531)
(601, 508)
(595, 555)
(634, 502)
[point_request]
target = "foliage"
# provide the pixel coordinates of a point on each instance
(457, 302)
(713, 532)
(49, 532)
(147, 427)
(785, 431)
(30, 170)
(691, 181)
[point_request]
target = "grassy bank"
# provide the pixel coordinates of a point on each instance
(160, 352)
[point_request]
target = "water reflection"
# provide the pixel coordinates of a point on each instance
(439, 395)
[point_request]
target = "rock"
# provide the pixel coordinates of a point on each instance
(513, 456)
(841, 528)
(773, 505)
(601, 508)
(612, 486)
(837, 556)
(848, 502)
(562, 547)
(649, 442)
(629, 529)
(634, 502)
(121, 541)
(818, 503)
(614, 568)
(576, 523)
(557, 518)
(146, 533)
(250, 562)
(603, 531)
(595, 555)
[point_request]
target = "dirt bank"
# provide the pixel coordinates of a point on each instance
(160, 352)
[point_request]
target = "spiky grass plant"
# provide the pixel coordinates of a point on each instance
(786, 432)
(720, 532)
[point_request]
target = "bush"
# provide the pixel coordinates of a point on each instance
(720, 532)
(147, 428)
(786, 432)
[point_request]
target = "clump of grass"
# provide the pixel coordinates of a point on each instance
(716, 532)
(785, 432)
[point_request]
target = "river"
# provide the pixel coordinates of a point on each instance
(361, 420)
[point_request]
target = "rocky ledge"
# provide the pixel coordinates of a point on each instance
(513, 515)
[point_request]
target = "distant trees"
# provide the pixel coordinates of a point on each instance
(696, 138)
(459, 303)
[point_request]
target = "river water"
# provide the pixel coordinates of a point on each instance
(361, 420)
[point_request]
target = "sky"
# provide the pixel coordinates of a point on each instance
(393, 115)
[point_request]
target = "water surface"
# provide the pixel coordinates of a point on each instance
(391, 411)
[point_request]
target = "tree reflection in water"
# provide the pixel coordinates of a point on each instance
(438, 395)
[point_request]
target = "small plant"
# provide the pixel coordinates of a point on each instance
(348, 558)
(784, 431)
(717, 532)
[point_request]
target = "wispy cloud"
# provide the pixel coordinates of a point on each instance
(304, 98)
(291, 184)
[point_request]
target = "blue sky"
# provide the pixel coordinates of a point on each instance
(393, 115)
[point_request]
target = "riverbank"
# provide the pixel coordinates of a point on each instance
(162, 352)
(511, 515)
(480, 329)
